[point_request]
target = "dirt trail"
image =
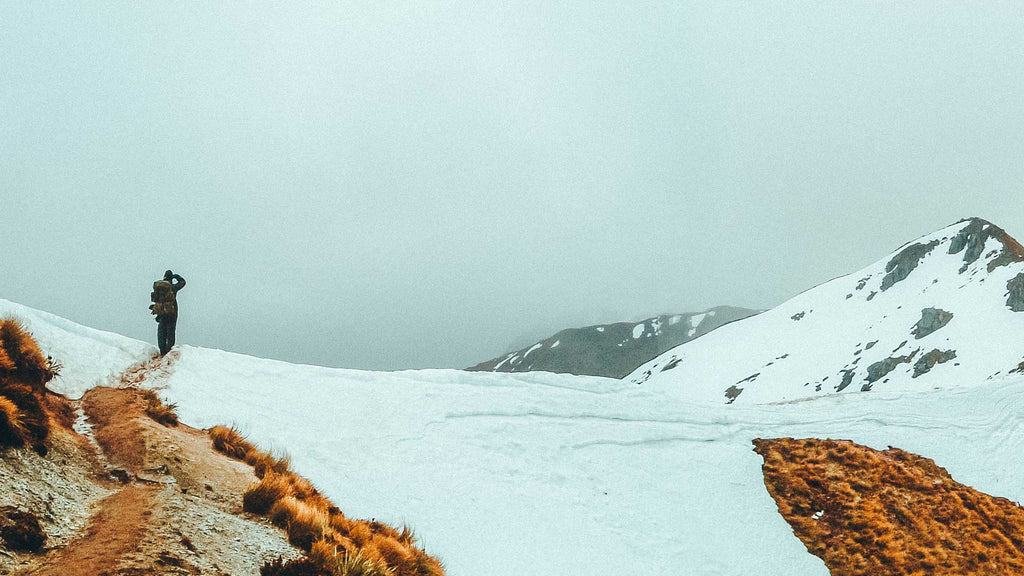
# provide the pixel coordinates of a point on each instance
(115, 530)
(177, 508)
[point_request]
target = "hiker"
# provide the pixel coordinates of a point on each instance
(165, 306)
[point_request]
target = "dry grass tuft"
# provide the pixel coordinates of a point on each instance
(156, 409)
(12, 429)
(335, 544)
(24, 372)
(302, 567)
(359, 564)
(30, 365)
(866, 512)
(34, 417)
(229, 441)
(263, 462)
(6, 362)
(262, 495)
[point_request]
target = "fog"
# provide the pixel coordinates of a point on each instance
(390, 185)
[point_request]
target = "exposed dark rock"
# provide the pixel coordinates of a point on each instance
(897, 349)
(902, 264)
(847, 379)
(732, 392)
(609, 349)
(879, 369)
(870, 345)
(672, 363)
(872, 296)
(971, 241)
(798, 316)
(862, 282)
(931, 320)
(21, 530)
(1015, 293)
(929, 360)
(750, 378)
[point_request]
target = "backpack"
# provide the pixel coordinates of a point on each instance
(162, 296)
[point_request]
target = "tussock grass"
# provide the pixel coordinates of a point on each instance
(335, 545)
(30, 365)
(304, 524)
(6, 362)
(303, 567)
(263, 462)
(156, 409)
(34, 417)
(263, 495)
(12, 429)
(359, 565)
(229, 441)
(24, 372)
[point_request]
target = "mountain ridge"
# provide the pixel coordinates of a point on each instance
(897, 319)
(612, 350)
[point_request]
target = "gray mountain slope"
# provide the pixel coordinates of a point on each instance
(612, 350)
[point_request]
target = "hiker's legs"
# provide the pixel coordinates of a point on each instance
(161, 336)
(165, 333)
(172, 322)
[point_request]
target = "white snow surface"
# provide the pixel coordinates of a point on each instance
(548, 474)
(90, 357)
(809, 340)
(638, 330)
(538, 473)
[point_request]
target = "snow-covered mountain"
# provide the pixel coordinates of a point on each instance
(612, 350)
(545, 474)
(944, 310)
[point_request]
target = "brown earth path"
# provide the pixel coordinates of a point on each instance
(115, 530)
(117, 527)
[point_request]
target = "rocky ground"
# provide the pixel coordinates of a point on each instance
(120, 493)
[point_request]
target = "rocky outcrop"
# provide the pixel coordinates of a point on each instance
(612, 350)
(902, 264)
(931, 320)
(866, 512)
(880, 369)
(1015, 293)
(928, 361)
(971, 241)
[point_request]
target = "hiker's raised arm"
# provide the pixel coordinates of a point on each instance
(178, 283)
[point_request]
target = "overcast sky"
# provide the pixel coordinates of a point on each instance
(395, 185)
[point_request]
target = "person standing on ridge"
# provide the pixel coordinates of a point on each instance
(165, 307)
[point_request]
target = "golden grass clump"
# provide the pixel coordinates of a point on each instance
(263, 462)
(229, 441)
(866, 512)
(359, 564)
(6, 363)
(335, 544)
(303, 523)
(30, 365)
(157, 410)
(261, 496)
(12, 429)
(34, 417)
